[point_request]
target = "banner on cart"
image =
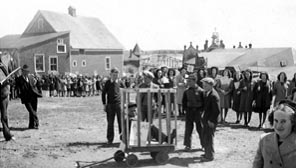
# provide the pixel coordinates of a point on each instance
(134, 134)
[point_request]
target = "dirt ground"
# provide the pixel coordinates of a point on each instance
(74, 130)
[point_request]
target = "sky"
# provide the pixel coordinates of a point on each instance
(171, 24)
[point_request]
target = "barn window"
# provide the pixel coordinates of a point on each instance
(74, 63)
(39, 63)
(61, 46)
(53, 63)
(81, 51)
(283, 63)
(83, 63)
(107, 63)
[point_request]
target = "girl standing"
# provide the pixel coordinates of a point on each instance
(262, 97)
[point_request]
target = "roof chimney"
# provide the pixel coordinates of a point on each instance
(72, 11)
(250, 45)
(206, 45)
(240, 45)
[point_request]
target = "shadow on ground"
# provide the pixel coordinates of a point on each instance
(182, 162)
(16, 129)
(239, 126)
(98, 144)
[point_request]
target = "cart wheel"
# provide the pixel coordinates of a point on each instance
(153, 154)
(162, 157)
(131, 160)
(119, 156)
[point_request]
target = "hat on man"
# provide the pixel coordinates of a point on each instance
(208, 80)
(25, 67)
(114, 70)
(131, 104)
(148, 74)
(191, 77)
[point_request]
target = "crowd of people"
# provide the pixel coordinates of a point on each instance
(242, 92)
(204, 97)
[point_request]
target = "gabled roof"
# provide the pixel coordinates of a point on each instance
(219, 57)
(18, 42)
(257, 56)
(85, 32)
(244, 57)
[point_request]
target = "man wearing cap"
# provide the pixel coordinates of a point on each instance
(209, 120)
(30, 91)
(112, 104)
(193, 103)
(148, 77)
(4, 100)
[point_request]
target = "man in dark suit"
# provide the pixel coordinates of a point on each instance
(112, 105)
(211, 113)
(30, 90)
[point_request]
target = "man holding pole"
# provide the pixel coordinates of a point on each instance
(5, 91)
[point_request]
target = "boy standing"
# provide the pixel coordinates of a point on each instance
(209, 120)
(193, 103)
(112, 106)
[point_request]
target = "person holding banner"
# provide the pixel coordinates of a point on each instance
(5, 91)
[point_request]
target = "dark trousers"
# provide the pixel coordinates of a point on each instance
(208, 139)
(112, 110)
(4, 120)
(193, 115)
(155, 134)
(32, 109)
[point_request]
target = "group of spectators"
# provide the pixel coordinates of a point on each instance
(240, 91)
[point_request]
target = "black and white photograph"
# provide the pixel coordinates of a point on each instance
(148, 83)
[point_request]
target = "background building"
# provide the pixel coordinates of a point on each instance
(65, 43)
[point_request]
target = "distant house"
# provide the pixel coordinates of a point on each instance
(65, 43)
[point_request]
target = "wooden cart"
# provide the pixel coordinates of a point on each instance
(166, 123)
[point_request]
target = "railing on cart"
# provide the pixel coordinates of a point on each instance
(158, 150)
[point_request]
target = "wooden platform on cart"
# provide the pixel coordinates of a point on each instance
(152, 148)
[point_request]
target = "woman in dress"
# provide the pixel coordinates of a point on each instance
(171, 84)
(292, 97)
(262, 97)
(246, 90)
(280, 88)
(292, 84)
(237, 77)
(181, 86)
(158, 78)
(214, 74)
(224, 88)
